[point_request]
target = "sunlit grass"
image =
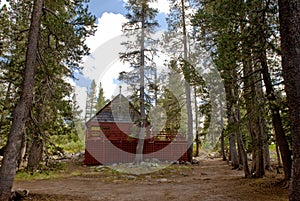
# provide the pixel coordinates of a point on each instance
(36, 175)
(272, 147)
(55, 170)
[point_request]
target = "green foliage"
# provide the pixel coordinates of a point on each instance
(173, 112)
(101, 100)
(91, 101)
(140, 51)
(64, 28)
(74, 146)
(239, 34)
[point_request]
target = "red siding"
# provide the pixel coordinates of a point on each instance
(111, 144)
(106, 152)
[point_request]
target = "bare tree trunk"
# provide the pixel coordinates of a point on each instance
(266, 151)
(22, 151)
(253, 100)
(276, 120)
(259, 159)
(262, 127)
(187, 88)
(259, 140)
(278, 156)
(140, 145)
(289, 15)
(222, 137)
(275, 109)
(241, 146)
(223, 146)
(233, 152)
(197, 140)
(21, 113)
(232, 140)
(35, 154)
(267, 160)
(190, 121)
(262, 124)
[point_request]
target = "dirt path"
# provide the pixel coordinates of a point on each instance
(212, 180)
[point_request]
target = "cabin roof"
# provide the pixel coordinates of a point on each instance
(120, 98)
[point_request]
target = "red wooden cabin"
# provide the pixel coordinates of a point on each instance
(110, 137)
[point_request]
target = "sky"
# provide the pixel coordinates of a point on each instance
(103, 66)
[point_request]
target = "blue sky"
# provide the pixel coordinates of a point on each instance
(98, 7)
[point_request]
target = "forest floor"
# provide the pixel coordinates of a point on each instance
(211, 180)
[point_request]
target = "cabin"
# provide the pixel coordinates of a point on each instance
(111, 137)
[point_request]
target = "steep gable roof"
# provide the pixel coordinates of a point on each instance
(119, 109)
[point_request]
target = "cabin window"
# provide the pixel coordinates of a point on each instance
(95, 131)
(95, 128)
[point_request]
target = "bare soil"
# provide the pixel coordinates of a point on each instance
(212, 180)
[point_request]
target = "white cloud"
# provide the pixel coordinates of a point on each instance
(103, 56)
(163, 6)
(109, 26)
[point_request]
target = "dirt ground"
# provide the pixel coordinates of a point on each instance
(212, 179)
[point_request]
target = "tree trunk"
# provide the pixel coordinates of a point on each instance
(241, 146)
(35, 154)
(260, 138)
(275, 110)
(190, 122)
(140, 145)
(259, 159)
(223, 137)
(9, 163)
(22, 151)
(276, 120)
(266, 152)
(233, 152)
(289, 15)
(278, 156)
(187, 88)
(233, 156)
(263, 136)
(197, 140)
(253, 99)
(223, 146)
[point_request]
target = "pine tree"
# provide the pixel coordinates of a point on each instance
(172, 102)
(8, 167)
(101, 100)
(141, 22)
(239, 40)
(60, 47)
(177, 22)
(91, 101)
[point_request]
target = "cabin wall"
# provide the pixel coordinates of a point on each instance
(110, 130)
(111, 137)
(123, 151)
